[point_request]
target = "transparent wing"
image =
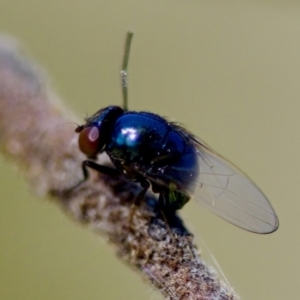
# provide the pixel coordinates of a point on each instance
(229, 193)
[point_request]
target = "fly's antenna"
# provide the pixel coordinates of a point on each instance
(124, 73)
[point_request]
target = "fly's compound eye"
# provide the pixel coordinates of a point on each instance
(89, 142)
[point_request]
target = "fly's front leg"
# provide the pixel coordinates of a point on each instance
(100, 168)
(92, 165)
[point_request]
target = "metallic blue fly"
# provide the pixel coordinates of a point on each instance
(156, 153)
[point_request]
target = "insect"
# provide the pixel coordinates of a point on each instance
(156, 153)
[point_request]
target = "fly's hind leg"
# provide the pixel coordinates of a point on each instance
(169, 202)
(166, 211)
(176, 200)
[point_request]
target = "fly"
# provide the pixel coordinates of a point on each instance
(148, 149)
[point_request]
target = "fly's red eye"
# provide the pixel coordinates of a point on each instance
(89, 140)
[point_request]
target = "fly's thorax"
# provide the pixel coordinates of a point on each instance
(143, 138)
(143, 144)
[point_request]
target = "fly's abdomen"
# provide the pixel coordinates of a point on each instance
(184, 172)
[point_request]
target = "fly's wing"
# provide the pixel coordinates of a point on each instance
(229, 193)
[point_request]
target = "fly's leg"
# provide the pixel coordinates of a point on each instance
(169, 202)
(100, 168)
(145, 185)
(166, 212)
(175, 200)
(113, 173)
(92, 165)
(166, 220)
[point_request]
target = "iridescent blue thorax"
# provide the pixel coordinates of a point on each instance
(147, 144)
(142, 137)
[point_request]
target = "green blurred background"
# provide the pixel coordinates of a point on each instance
(228, 70)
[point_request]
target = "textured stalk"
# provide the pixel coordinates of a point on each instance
(34, 135)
